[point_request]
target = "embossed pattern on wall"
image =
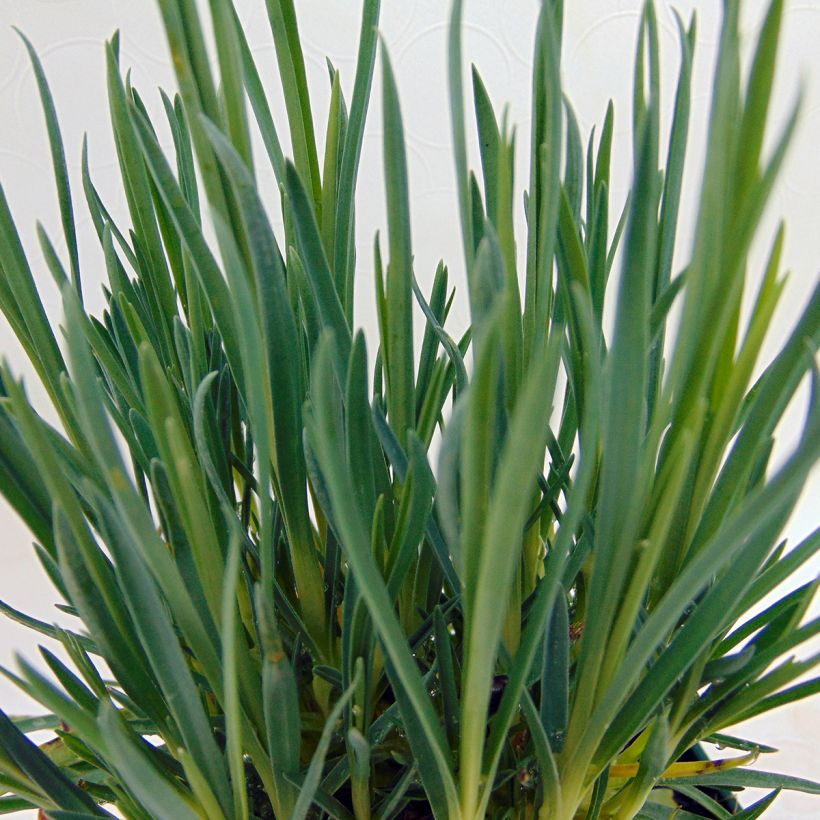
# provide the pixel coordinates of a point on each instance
(598, 60)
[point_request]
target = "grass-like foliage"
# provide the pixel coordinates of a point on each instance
(286, 610)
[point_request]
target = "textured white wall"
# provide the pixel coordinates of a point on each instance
(598, 64)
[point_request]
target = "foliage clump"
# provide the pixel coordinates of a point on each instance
(286, 610)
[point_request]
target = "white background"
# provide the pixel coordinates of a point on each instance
(598, 57)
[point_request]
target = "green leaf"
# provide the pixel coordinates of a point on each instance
(37, 723)
(770, 398)
(334, 146)
(598, 794)
(573, 164)
(191, 60)
(22, 486)
(71, 683)
(395, 798)
(437, 305)
(413, 515)
(704, 801)
(37, 766)
(361, 445)
(488, 139)
(344, 242)
(282, 17)
(184, 150)
(675, 159)
(185, 478)
(477, 453)
(456, 88)
(731, 742)
(520, 461)
(99, 213)
(69, 815)
(398, 345)
(314, 773)
(756, 109)
(156, 792)
(281, 699)
(544, 179)
(758, 809)
(229, 56)
(398, 461)
(12, 805)
(670, 203)
(41, 689)
(655, 811)
(653, 762)
(259, 103)
(22, 306)
(624, 422)
(59, 164)
(790, 695)
(319, 277)
(783, 568)
(555, 675)
(232, 633)
(446, 674)
(154, 272)
(53, 262)
(749, 779)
